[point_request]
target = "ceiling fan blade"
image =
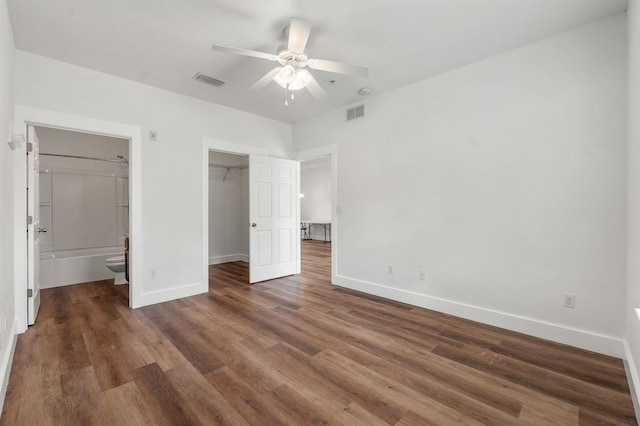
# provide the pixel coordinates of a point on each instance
(315, 89)
(299, 30)
(245, 52)
(266, 79)
(338, 67)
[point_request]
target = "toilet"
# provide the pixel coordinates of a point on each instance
(117, 264)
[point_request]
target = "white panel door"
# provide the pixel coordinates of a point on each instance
(33, 227)
(274, 217)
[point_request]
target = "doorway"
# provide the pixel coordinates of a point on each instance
(228, 201)
(319, 157)
(273, 225)
(316, 207)
(79, 199)
(26, 116)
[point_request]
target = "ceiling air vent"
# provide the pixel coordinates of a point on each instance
(209, 80)
(355, 112)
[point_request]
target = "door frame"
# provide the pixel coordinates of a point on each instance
(25, 116)
(33, 228)
(312, 154)
(209, 144)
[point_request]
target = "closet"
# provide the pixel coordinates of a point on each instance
(228, 208)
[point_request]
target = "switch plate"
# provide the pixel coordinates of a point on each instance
(153, 135)
(390, 269)
(422, 275)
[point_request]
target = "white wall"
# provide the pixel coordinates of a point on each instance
(228, 215)
(7, 271)
(504, 180)
(632, 333)
(171, 202)
(315, 184)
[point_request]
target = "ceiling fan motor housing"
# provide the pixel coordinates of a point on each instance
(287, 57)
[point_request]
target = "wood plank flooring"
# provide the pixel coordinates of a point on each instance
(294, 351)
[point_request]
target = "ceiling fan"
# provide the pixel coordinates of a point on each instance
(291, 73)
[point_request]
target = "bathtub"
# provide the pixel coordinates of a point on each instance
(67, 267)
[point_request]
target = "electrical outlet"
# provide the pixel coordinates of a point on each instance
(152, 274)
(390, 269)
(569, 301)
(422, 274)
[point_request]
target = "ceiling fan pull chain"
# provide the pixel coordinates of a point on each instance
(286, 95)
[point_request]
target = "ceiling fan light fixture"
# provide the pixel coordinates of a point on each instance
(287, 74)
(304, 77)
(293, 79)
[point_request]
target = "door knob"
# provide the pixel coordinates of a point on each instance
(42, 229)
(253, 225)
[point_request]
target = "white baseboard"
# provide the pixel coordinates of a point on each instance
(632, 377)
(214, 260)
(583, 339)
(7, 360)
(165, 295)
(173, 293)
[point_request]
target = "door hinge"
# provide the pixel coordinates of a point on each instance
(29, 220)
(29, 147)
(29, 292)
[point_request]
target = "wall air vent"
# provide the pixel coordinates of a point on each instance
(355, 112)
(209, 80)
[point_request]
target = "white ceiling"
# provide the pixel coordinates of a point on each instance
(165, 43)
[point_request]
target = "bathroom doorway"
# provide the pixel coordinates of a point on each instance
(78, 197)
(29, 116)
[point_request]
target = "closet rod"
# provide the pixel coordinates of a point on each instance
(240, 166)
(120, 158)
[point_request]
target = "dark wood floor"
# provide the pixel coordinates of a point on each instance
(293, 351)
